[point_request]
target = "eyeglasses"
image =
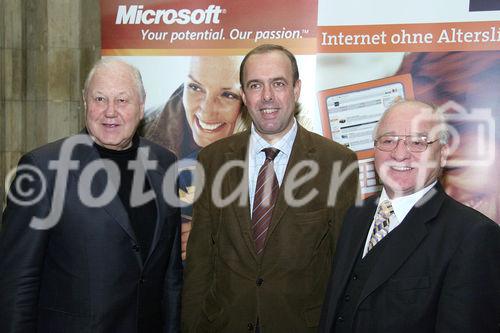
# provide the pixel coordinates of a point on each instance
(415, 144)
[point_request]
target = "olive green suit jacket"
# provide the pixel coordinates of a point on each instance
(227, 285)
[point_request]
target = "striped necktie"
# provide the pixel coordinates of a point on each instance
(381, 223)
(266, 192)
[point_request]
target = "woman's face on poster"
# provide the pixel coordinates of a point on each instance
(212, 98)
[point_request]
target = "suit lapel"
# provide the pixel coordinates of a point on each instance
(360, 227)
(406, 238)
(115, 208)
(302, 150)
(351, 242)
(155, 177)
(239, 177)
(87, 154)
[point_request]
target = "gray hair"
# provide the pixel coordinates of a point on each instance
(109, 62)
(441, 121)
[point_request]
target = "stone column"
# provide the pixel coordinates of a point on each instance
(12, 86)
(47, 47)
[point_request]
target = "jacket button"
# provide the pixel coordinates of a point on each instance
(250, 326)
(347, 298)
(354, 277)
(259, 282)
(340, 319)
(136, 248)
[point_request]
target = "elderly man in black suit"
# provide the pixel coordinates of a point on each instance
(88, 241)
(413, 259)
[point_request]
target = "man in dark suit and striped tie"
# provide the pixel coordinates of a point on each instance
(413, 259)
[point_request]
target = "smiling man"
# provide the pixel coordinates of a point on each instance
(110, 261)
(413, 259)
(260, 263)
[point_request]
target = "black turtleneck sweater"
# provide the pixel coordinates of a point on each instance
(143, 217)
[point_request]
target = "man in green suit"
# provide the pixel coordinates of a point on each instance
(266, 222)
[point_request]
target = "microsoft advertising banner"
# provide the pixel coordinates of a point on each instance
(356, 58)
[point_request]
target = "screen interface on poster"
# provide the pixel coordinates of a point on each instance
(353, 115)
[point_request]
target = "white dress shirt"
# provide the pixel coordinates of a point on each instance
(401, 206)
(256, 157)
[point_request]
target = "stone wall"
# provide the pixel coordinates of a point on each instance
(46, 49)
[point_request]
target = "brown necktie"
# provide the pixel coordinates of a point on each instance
(266, 192)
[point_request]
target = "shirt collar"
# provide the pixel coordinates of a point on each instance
(402, 205)
(284, 144)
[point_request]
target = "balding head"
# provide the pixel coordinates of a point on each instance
(119, 65)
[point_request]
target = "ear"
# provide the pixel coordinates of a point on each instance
(243, 96)
(141, 107)
(445, 151)
(296, 89)
(84, 102)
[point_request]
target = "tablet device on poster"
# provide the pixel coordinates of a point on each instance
(349, 115)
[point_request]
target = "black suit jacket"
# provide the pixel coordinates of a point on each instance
(85, 274)
(439, 273)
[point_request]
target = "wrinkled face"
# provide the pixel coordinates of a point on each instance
(404, 172)
(269, 94)
(212, 98)
(113, 107)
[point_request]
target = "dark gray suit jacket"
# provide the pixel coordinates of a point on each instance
(85, 274)
(439, 273)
